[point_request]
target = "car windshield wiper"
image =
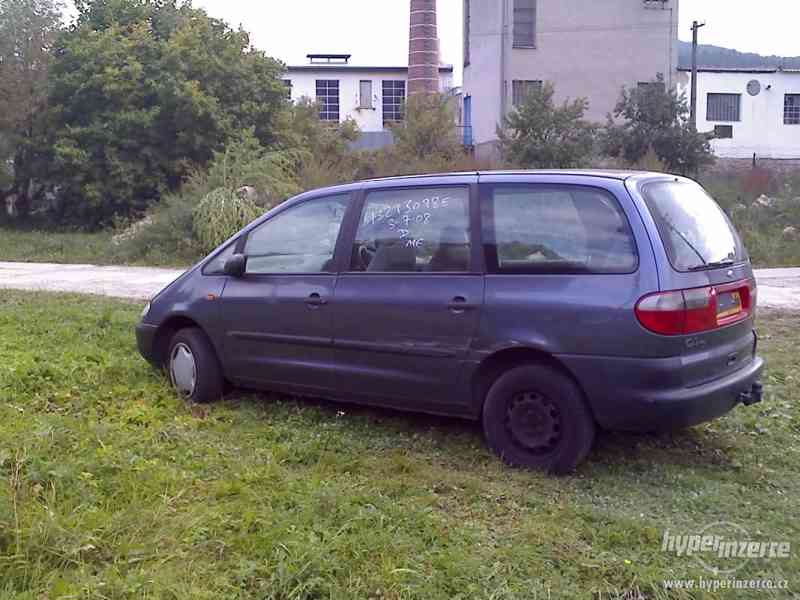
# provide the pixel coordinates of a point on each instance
(686, 241)
(717, 264)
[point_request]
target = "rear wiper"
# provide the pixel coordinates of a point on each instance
(718, 264)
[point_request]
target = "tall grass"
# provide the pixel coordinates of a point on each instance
(763, 205)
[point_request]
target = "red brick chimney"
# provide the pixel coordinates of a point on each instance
(423, 48)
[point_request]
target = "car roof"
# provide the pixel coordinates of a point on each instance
(608, 174)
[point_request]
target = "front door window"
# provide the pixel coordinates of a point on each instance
(301, 239)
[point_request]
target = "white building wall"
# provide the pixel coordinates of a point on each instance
(760, 130)
(304, 84)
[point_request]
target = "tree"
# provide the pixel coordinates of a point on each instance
(428, 131)
(28, 29)
(141, 93)
(539, 134)
(652, 118)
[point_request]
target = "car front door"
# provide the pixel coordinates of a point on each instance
(407, 306)
(277, 316)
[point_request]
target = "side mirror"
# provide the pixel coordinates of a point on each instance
(235, 266)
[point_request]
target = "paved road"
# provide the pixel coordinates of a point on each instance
(778, 288)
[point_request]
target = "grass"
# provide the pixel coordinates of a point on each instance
(31, 245)
(111, 487)
(55, 247)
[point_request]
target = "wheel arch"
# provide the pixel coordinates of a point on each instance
(166, 330)
(505, 359)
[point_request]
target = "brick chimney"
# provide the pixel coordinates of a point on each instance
(423, 49)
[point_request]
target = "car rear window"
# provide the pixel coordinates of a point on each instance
(695, 232)
(555, 229)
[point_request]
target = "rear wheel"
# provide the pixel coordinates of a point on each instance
(535, 416)
(193, 367)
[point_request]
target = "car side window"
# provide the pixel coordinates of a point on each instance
(301, 239)
(413, 230)
(556, 229)
(216, 266)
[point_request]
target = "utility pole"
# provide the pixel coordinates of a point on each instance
(693, 108)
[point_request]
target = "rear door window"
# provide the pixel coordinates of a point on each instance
(696, 233)
(414, 230)
(529, 229)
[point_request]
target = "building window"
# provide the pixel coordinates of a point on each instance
(524, 23)
(723, 107)
(328, 98)
(365, 94)
(791, 109)
(644, 86)
(467, 30)
(394, 95)
(521, 89)
(287, 83)
(723, 132)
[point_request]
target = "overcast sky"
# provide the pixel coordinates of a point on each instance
(376, 31)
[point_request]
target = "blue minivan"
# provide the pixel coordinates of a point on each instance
(544, 304)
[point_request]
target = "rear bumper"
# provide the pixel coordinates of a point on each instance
(145, 341)
(627, 396)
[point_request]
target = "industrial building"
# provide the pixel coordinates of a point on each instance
(753, 113)
(585, 48)
(373, 96)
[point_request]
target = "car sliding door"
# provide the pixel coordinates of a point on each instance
(407, 308)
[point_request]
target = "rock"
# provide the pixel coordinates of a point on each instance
(764, 200)
(132, 231)
(790, 233)
(248, 192)
(11, 205)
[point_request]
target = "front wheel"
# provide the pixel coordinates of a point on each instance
(536, 417)
(193, 367)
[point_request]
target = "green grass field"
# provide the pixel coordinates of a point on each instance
(111, 487)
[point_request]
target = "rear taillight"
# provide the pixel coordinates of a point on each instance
(682, 312)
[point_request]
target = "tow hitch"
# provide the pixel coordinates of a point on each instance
(753, 396)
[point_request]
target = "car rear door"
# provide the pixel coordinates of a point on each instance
(407, 306)
(277, 317)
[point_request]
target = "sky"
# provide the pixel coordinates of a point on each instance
(375, 32)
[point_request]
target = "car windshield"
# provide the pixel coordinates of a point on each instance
(696, 233)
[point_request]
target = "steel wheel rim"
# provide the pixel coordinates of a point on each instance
(534, 422)
(183, 369)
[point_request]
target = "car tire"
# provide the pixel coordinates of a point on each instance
(193, 367)
(536, 417)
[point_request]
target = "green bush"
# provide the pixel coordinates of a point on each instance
(539, 134)
(221, 214)
(653, 118)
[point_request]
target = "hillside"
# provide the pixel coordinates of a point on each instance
(717, 57)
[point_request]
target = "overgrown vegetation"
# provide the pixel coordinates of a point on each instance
(764, 206)
(540, 135)
(654, 118)
(113, 488)
(155, 121)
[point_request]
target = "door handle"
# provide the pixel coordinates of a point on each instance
(460, 304)
(315, 300)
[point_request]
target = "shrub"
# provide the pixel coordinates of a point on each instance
(539, 134)
(220, 215)
(654, 118)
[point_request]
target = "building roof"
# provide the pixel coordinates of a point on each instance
(339, 68)
(734, 70)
